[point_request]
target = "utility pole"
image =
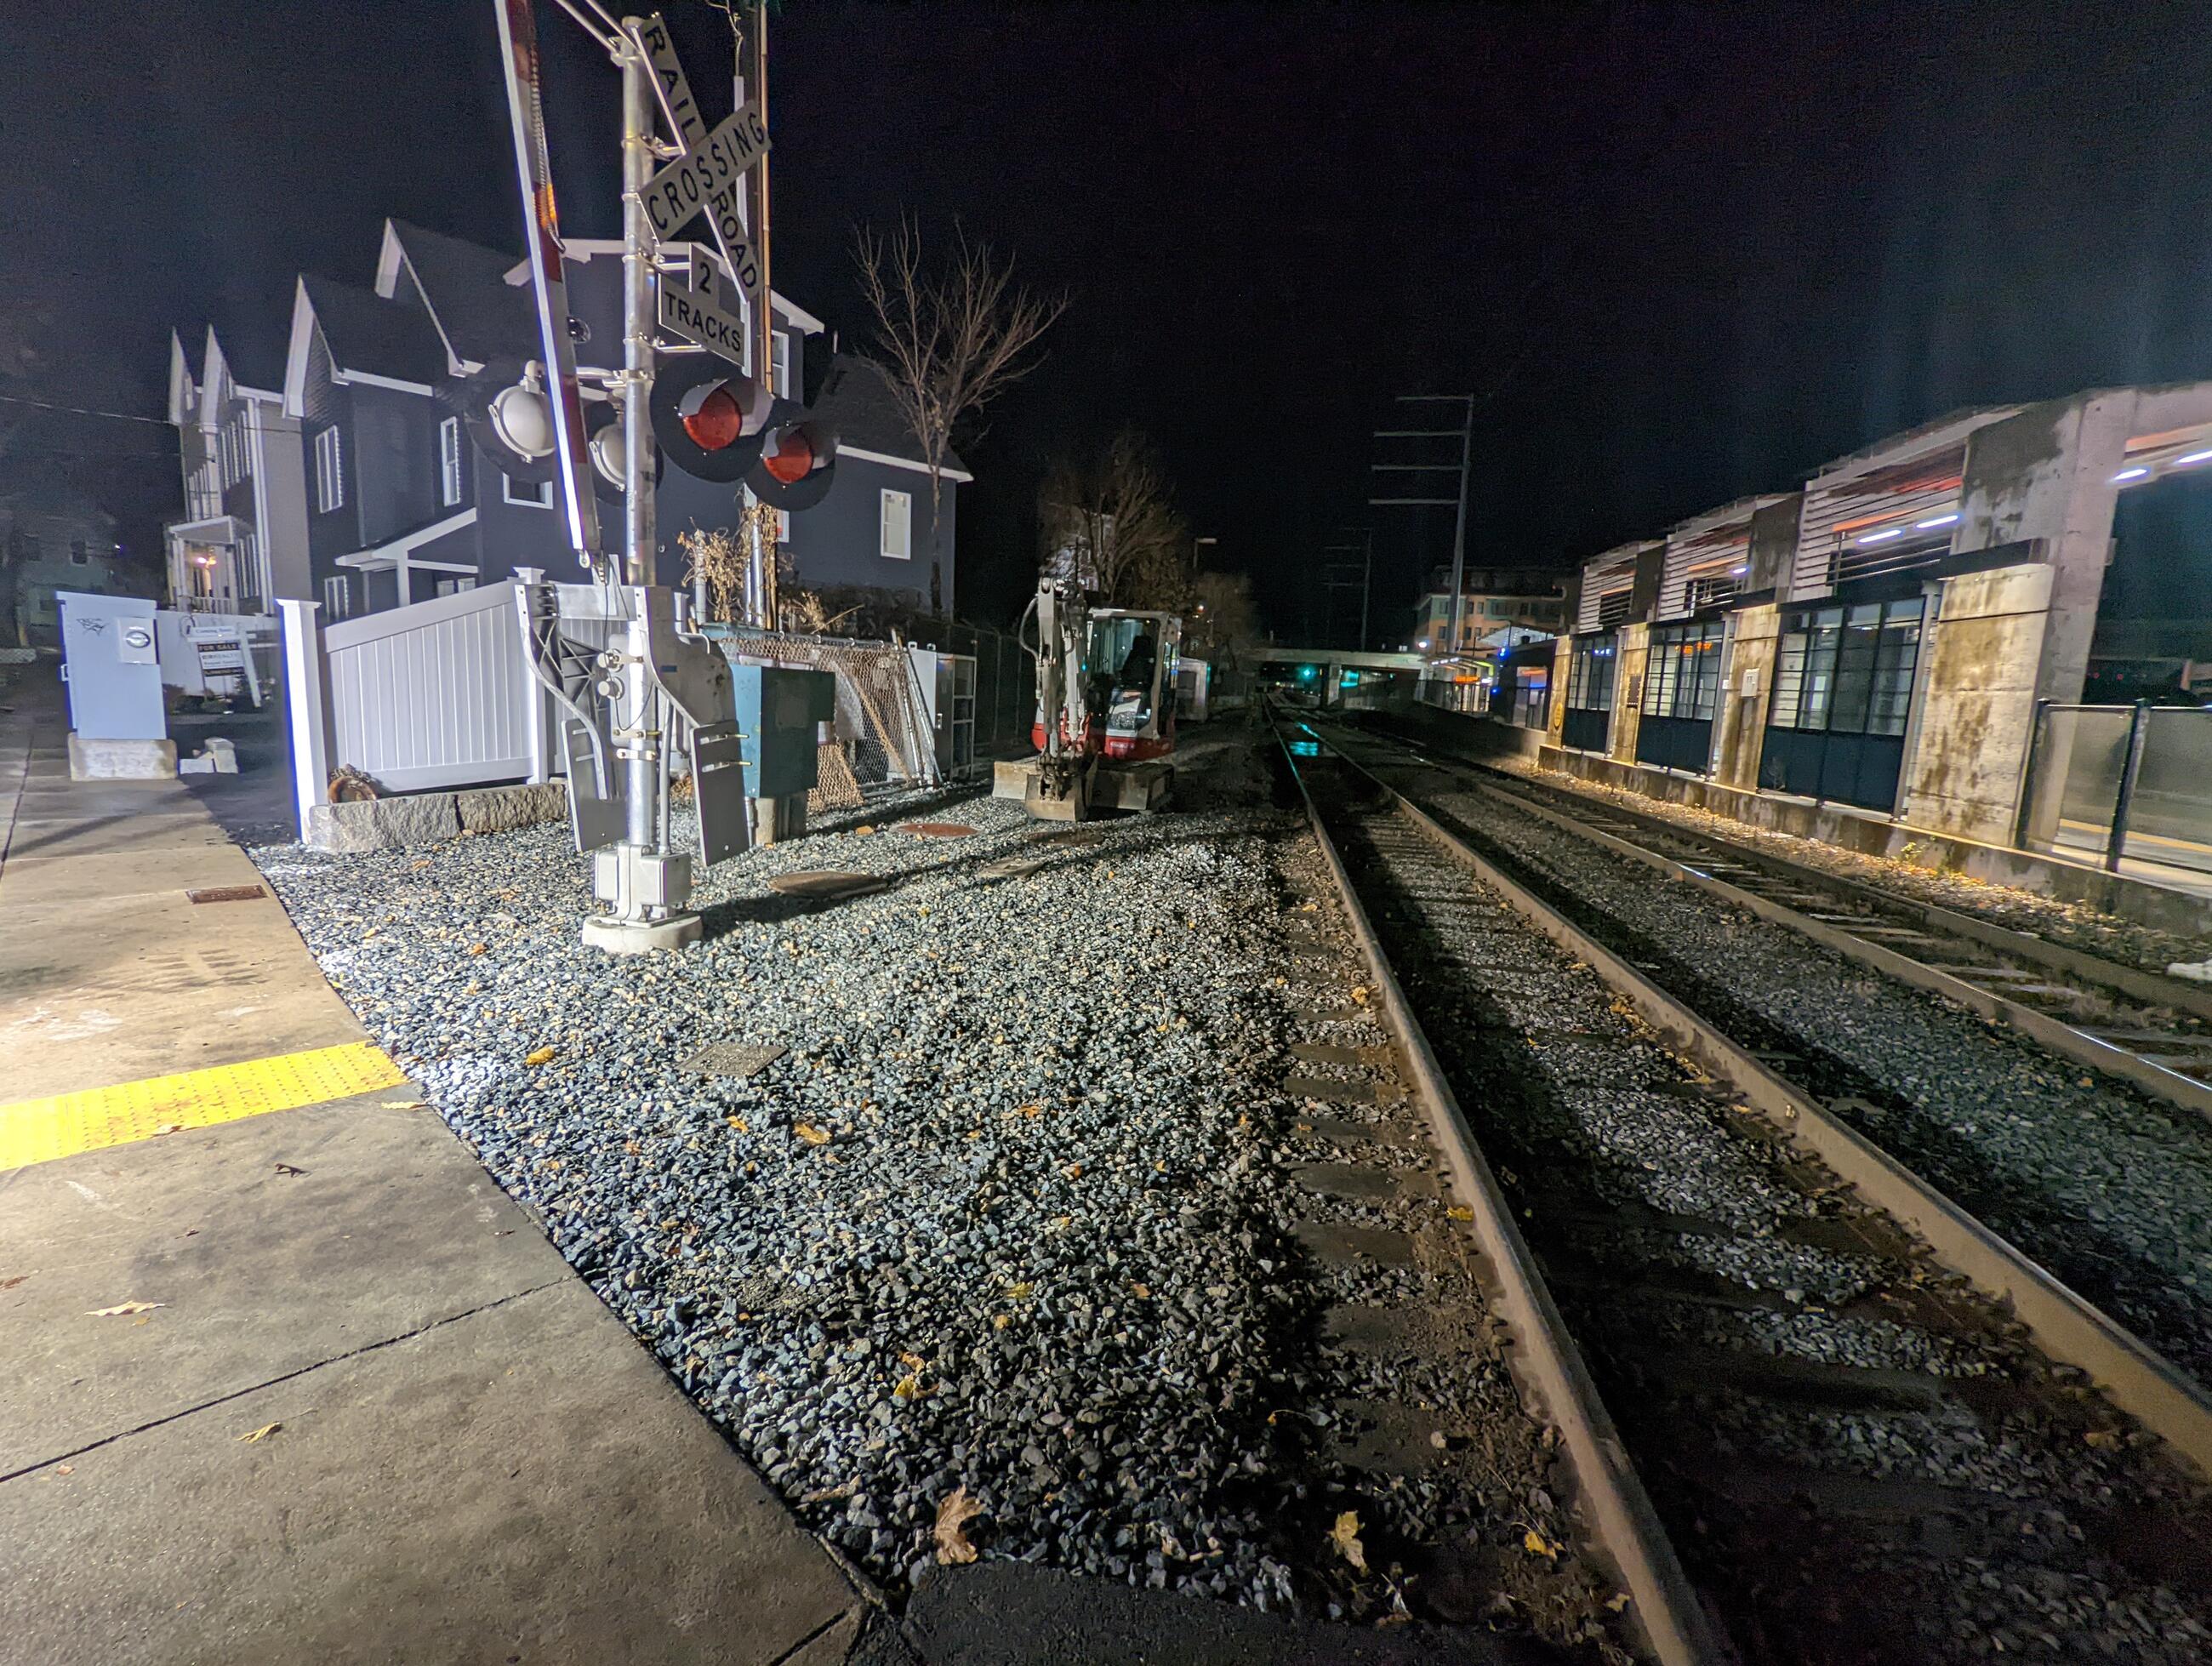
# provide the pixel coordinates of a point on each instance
(1365, 552)
(1465, 434)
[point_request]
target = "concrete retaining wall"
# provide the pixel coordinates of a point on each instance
(1877, 836)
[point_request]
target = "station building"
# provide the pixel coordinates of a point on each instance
(1918, 632)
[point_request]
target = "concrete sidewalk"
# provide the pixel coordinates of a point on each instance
(365, 1413)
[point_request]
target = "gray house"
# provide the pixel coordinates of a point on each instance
(243, 539)
(395, 501)
(54, 537)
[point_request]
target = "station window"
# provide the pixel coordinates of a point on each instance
(1590, 674)
(1847, 670)
(1682, 677)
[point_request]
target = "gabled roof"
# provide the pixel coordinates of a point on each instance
(384, 338)
(184, 377)
(858, 402)
(478, 315)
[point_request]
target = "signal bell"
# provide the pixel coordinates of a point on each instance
(709, 417)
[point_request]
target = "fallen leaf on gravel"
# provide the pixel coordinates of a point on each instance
(543, 1055)
(1021, 1291)
(1344, 1538)
(1537, 1545)
(121, 1308)
(479, 948)
(1000, 1321)
(1073, 1172)
(1307, 908)
(1360, 995)
(952, 1518)
(739, 1123)
(1142, 1292)
(913, 1361)
(2103, 1440)
(864, 829)
(810, 1134)
(1031, 1112)
(1459, 1212)
(1617, 1601)
(261, 1433)
(908, 1388)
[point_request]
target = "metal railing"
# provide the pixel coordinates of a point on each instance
(2120, 783)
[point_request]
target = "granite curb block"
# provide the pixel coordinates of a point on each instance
(421, 818)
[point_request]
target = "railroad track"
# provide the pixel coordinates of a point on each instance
(2151, 1030)
(1858, 1455)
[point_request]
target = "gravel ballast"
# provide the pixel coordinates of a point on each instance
(2109, 1188)
(1014, 1210)
(1857, 1459)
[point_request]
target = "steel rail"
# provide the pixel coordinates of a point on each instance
(2066, 1325)
(2067, 1040)
(1548, 1367)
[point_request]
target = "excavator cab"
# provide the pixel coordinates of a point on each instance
(1105, 717)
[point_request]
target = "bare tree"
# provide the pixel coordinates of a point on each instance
(1111, 524)
(949, 340)
(1223, 621)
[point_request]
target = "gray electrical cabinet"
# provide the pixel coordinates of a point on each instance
(112, 661)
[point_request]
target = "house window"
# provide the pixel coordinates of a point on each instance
(330, 477)
(249, 567)
(783, 525)
(539, 496)
(337, 597)
(898, 526)
(783, 363)
(449, 461)
(78, 557)
(454, 587)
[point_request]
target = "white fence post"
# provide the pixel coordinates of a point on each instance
(306, 686)
(539, 702)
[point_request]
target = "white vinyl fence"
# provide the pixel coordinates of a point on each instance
(439, 695)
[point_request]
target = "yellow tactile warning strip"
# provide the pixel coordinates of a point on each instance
(39, 1130)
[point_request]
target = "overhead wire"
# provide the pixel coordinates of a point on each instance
(82, 411)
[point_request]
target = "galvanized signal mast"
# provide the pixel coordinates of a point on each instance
(626, 703)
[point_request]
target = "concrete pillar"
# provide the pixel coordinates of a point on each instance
(1635, 653)
(2038, 487)
(1746, 691)
(1562, 660)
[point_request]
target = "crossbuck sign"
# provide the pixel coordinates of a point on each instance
(710, 177)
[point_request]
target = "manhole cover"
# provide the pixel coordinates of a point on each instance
(1068, 835)
(731, 1058)
(827, 883)
(937, 830)
(224, 894)
(1010, 867)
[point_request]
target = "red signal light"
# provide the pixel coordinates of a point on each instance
(792, 460)
(717, 420)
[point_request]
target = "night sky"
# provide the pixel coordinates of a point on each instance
(1684, 254)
